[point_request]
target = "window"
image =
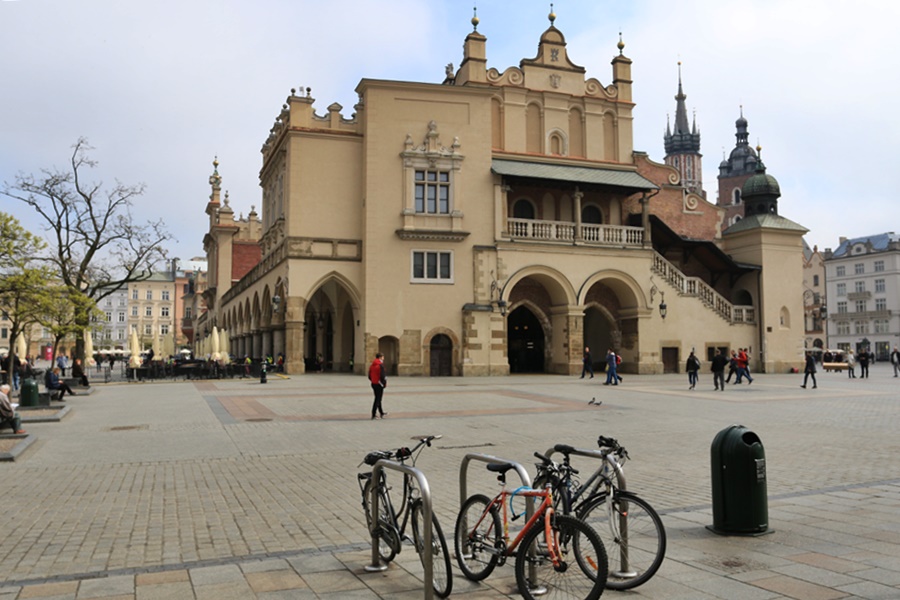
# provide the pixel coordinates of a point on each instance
(881, 325)
(109, 316)
(134, 327)
(879, 285)
(523, 209)
(164, 329)
(815, 280)
(148, 311)
(843, 328)
(860, 327)
(185, 289)
(842, 289)
(880, 303)
(149, 294)
(591, 214)
(148, 329)
(4, 333)
(164, 311)
(860, 287)
(122, 301)
(737, 196)
(109, 301)
(859, 268)
(841, 271)
(134, 294)
(879, 266)
(842, 306)
(121, 316)
(134, 311)
(187, 312)
(433, 192)
(860, 306)
(120, 335)
(434, 267)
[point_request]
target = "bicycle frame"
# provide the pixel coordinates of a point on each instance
(545, 511)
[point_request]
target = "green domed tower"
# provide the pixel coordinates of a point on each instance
(761, 191)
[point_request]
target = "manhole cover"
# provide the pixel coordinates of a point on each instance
(128, 427)
(258, 420)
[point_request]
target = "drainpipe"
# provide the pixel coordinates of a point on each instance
(762, 331)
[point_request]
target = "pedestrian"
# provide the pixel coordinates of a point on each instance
(618, 364)
(693, 365)
(895, 360)
(732, 367)
(378, 379)
(587, 362)
(743, 361)
(62, 361)
(78, 373)
(718, 370)
(612, 378)
(809, 370)
(864, 357)
(851, 365)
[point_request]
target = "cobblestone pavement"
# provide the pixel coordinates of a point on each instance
(233, 489)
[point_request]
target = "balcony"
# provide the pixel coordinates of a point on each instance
(853, 296)
(569, 232)
(869, 314)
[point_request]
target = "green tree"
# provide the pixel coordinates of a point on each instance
(95, 243)
(23, 277)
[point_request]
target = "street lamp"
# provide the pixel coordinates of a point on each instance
(663, 309)
(496, 300)
(276, 303)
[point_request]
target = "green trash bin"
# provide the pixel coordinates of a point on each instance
(740, 501)
(28, 394)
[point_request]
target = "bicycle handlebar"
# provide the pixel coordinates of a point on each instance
(400, 454)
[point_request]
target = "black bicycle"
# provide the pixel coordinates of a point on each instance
(390, 529)
(629, 527)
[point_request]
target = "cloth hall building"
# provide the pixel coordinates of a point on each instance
(496, 222)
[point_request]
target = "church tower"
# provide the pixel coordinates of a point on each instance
(683, 146)
(735, 171)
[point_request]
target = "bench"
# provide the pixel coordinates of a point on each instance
(44, 398)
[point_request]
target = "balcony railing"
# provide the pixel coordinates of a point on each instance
(567, 231)
(694, 286)
(853, 296)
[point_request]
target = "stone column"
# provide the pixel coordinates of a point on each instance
(576, 208)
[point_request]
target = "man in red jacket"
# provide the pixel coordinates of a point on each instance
(379, 381)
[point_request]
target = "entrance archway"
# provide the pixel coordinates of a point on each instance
(526, 342)
(441, 356)
(598, 333)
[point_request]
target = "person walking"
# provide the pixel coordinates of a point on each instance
(895, 360)
(851, 365)
(693, 365)
(743, 361)
(588, 363)
(62, 361)
(732, 367)
(378, 379)
(718, 369)
(864, 357)
(809, 370)
(612, 378)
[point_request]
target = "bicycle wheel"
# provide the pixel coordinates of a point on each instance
(581, 572)
(635, 540)
(440, 557)
(385, 531)
(477, 546)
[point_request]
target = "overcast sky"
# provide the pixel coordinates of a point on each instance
(159, 88)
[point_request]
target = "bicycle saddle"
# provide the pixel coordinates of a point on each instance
(501, 468)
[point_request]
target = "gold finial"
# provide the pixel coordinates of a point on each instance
(621, 45)
(475, 20)
(216, 162)
(552, 15)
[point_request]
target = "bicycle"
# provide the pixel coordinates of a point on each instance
(635, 528)
(391, 523)
(547, 544)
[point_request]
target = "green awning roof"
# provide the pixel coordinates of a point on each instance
(593, 175)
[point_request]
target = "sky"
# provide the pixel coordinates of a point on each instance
(161, 88)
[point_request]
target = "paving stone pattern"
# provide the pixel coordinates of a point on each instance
(233, 489)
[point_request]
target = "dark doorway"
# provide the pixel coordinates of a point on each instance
(441, 356)
(670, 360)
(526, 342)
(598, 336)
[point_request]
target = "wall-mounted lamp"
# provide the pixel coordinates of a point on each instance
(662, 305)
(304, 326)
(276, 303)
(320, 321)
(496, 300)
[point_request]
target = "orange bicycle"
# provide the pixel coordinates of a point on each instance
(558, 556)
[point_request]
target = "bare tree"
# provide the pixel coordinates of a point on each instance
(94, 242)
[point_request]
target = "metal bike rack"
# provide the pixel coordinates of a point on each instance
(523, 475)
(623, 522)
(425, 490)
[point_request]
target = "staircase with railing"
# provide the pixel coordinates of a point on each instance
(696, 287)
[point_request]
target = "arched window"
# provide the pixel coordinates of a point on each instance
(523, 209)
(591, 214)
(737, 196)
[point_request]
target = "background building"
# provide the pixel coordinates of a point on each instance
(814, 298)
(863, 283)
(111, 331)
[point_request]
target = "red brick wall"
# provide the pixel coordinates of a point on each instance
(245, 256)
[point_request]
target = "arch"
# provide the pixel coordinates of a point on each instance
(389, 346)
(557, 142)
(622, 284)
(524, 208)
(741, 297)
(736, 196)
(355, 296)
(440, 348)
(557, 285)
(528, 328)
(592, 214)
(784, 318)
